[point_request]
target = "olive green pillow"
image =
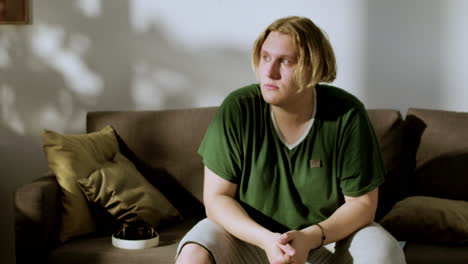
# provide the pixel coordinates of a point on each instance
(428, 219)
(72, 157)
(118, 187)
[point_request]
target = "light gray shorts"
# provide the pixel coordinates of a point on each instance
(369, 245)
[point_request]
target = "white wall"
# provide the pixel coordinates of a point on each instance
(86, 55)
(416, 54)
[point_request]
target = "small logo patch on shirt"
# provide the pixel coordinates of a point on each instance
(315, 163)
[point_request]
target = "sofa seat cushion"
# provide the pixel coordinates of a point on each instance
(99, 249)
(425, 253)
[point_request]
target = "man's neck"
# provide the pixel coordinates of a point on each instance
(298, 112)
(292, 120)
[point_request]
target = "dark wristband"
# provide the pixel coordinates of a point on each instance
(323, 236)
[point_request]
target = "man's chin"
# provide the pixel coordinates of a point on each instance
(271, 100)
(271, 96)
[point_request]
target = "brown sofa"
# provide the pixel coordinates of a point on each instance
(163, 146)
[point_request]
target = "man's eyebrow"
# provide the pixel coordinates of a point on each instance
(287, 56)
(290, 57)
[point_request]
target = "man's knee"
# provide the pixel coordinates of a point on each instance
(193, 253)
(389, 254)
(373, 244)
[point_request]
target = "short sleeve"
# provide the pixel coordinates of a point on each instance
(361, 164)
(221, 145)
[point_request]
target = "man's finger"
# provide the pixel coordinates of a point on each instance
(284, 239)
(287, 249)
(281, 257)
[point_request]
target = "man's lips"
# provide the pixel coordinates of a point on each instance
(271, 86)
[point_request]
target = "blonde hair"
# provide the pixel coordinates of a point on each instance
(316, 62)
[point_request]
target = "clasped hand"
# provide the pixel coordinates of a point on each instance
(289, 248)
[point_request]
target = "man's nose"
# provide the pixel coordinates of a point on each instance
(273, 71)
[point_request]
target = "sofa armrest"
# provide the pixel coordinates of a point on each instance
(37, 208)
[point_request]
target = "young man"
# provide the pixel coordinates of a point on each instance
(292, 166)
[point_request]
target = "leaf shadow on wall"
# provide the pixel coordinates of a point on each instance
(66, 64)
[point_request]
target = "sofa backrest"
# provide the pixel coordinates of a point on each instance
(437, 141)
(388, 126)
(163, 145)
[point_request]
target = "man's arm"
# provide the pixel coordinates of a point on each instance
(223, 209)
(355, 213)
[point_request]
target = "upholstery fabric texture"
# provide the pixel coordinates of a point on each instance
(388, 126)
(428, 219)
(425, 154)
(99, 249)
(169, 160)
(72, 157)
(441, 148)
(435, 253)
(118, 187)
(37, 231)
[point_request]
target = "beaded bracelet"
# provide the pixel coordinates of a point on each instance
(323, 235)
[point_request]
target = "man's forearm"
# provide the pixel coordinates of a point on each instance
(228, 213)
(343, 222)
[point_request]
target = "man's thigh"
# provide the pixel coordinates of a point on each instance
(222, 246)
(370, 244)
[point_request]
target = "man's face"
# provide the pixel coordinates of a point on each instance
(276, 69)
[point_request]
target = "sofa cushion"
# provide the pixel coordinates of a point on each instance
(439, 141)
(388, 126)
(435, 253)
(72, 157)
(428, 219)
(118, 187)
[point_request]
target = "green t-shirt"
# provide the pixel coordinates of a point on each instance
(282, 188)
